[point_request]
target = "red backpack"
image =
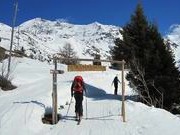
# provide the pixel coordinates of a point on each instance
(78, 84)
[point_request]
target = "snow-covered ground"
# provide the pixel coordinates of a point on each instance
(22, 109)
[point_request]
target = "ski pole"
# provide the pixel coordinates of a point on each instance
(86, 103)
(86, 108)
(69, 106)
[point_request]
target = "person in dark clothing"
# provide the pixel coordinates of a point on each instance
(115, 82)
(77, 89)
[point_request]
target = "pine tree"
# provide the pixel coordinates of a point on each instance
(152, 66)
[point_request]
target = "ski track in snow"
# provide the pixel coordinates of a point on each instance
(3, 113)
(28, 112)
(6, 117)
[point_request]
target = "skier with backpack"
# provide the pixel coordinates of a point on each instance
(77, 90)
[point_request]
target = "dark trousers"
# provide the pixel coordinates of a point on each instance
(78, 105)
(115, 89)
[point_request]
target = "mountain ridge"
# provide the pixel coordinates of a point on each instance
(42, 38)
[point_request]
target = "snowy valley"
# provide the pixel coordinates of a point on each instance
(22, 109)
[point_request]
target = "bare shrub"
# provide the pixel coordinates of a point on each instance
(68, 52)
(5, 78)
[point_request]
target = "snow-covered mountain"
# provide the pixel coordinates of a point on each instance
(174, 37)
(42, 38)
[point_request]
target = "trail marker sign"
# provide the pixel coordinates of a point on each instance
(56, 71)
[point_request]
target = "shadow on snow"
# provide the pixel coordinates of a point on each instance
(107, 117)
(28, 102)
(100, 94)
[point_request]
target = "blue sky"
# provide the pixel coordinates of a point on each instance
(115, 12)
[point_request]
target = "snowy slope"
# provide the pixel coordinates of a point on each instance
(5, 35)
(21, 110)
(42, 38)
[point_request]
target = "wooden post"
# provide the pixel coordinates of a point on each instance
(54, 95)
(123, 91)
(12, 35)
